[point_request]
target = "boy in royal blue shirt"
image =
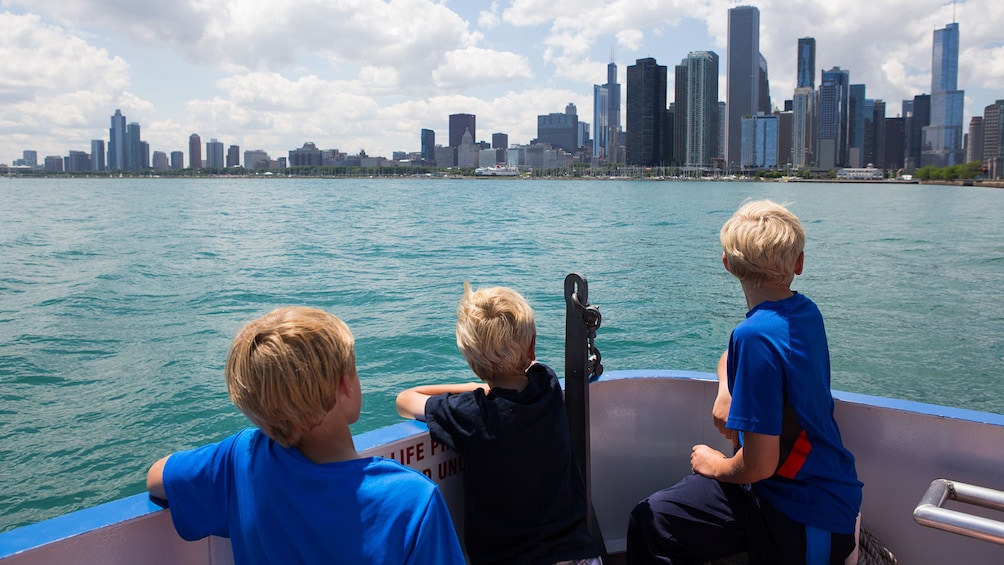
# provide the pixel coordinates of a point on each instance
(295, 490)
(524, 499)
(790, 493)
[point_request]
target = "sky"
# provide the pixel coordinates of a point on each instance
(370, 74)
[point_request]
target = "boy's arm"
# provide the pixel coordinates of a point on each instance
(755, 461)
(155, 479)
(411, 402)
(720, 411)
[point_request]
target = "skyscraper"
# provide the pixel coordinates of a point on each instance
(428, 145)
(606, 115)
(832, 118)
(763, 84)
(30, 157)
(742, 97)
(803, 128)
(97, 154)
(806, 62)
(701, 109)
(942, 138)
(460, 123)
(500, 143)
(133, 148)
(234, 156)
(918, 117)
(194, 151)
(646, 109)
(975, 152)
(679, 105)
(214, 154)
(116, 142)
(856, 117)
(993, 135)
(760, 141)
(559, 129)
(877, 154)
(600, 121)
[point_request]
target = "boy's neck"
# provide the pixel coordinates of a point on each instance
(766, 292)
(515, 382)
(328, 442)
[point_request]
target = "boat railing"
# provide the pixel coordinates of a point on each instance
(932, 513)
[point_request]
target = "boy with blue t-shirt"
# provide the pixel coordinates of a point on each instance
(294, 490)
(790, 493)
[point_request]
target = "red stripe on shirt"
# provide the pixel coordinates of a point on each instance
(796, 458)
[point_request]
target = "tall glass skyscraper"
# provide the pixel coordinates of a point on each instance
(460, 123)
(803, 128)
(742, 97)
(428, 145)
(606, 115)
(942, 138)
(195, 151)
(214, 154)
(116, 142)
(134, 160)
(700, 110)
(856, 118)
(97, 154)
(806, 62)
(646, 110)
(834, 92)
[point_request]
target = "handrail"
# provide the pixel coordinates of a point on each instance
(931, 513)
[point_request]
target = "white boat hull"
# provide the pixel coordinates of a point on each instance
(643, 424)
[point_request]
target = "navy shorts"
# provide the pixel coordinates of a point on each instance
(700, 519)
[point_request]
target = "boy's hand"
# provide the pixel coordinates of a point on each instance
(705, 461)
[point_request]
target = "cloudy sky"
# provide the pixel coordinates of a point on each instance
(369, 74)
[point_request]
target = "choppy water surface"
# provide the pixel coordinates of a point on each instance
(120, 297)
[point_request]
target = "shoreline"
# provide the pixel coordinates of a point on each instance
(960, 182)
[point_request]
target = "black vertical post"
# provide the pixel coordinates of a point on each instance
(576, 379)
(577, 387)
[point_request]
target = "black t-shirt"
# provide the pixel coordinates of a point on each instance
(524, 498)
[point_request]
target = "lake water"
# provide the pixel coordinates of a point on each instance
(120, 297)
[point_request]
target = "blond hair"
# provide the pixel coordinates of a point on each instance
(495, 327)
(762, 242)
(284, 368)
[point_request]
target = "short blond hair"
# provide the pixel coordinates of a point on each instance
(762, 242)
(495, 327)
(284, 368)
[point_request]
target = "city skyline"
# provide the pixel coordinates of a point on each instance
(260, 80)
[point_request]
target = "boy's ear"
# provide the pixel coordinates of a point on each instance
(532, 351)
(725, 261)
(347, 385)
(799, 263)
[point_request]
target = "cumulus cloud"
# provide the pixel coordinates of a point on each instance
(489, 18)
(50, 82)
(464, 68)
(39, 58)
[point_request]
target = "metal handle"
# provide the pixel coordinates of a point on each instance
(929, 511)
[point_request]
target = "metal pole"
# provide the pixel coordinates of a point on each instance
(577, 373)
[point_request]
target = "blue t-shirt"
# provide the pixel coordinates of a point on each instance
(779, 377)
(277, 506)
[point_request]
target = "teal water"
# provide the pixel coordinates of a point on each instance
(120, 297)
